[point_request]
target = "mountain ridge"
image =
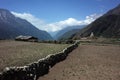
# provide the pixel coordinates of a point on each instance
(11, 26)
(68, 35)
(67, 29)
(105, 26)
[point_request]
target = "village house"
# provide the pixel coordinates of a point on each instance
(26, 38)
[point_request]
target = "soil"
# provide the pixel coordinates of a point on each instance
(88, 62)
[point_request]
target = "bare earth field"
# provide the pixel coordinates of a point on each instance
(15, 53)
(88, 62)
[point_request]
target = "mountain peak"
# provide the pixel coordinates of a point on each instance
(107, 25)
(114, 11)
(3, 10)
(5, 14)
(118, 5)
(10, 27)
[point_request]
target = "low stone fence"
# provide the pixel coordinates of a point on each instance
(34, 70)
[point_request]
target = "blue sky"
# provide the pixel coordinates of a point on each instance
(51, 12)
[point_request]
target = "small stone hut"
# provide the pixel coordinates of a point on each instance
(26, 38)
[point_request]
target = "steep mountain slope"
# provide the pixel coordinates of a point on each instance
(107, 25)
(69, 28)
(11, 26)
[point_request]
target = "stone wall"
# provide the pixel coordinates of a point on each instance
(34, 70)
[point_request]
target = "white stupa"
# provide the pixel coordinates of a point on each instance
(92, 35)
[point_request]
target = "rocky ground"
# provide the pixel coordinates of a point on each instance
(88, 62)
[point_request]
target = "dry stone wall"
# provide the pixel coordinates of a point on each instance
(34, 70)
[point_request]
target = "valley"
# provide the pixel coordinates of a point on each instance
(60, 40)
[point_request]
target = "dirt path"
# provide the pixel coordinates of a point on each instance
(88, 62)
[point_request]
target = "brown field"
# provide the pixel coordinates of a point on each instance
(88, 62)
(15, 53)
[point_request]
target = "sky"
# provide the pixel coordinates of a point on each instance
(54, 15)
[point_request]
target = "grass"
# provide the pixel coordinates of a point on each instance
(14, 53)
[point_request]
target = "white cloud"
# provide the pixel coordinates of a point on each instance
(30, 18)
(91, 18)
(62, 24)
(72, 22)
(51, 27)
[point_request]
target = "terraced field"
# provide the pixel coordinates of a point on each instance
(15, 53)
